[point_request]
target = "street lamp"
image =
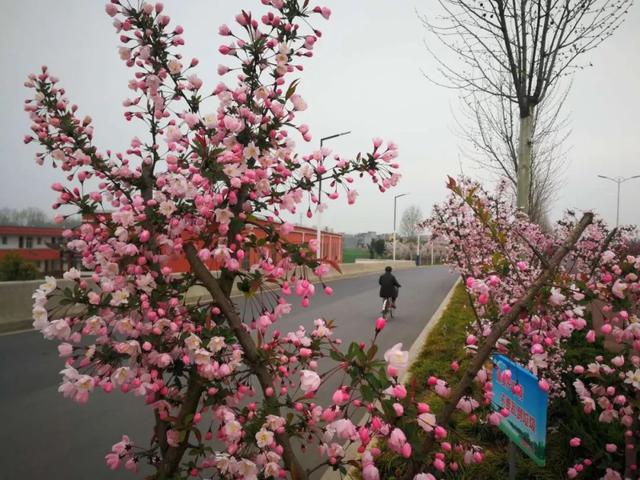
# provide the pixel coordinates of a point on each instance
(618, 181)
(395, 203)
(319, 226)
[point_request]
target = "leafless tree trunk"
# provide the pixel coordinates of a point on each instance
(533, 43)
(490, 127)
(411, 218)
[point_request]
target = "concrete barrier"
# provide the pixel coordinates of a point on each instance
(16, 301)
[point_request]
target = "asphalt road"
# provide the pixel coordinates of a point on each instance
(43, 435)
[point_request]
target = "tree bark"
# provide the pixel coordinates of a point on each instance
(172, 455)
(631, 452)
(501, 326)
(525, 145)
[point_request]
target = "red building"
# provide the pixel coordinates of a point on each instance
(38, 245)
(331, 248)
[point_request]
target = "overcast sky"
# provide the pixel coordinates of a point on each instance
(365, 77)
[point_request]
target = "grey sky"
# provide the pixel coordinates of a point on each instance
(365, 77)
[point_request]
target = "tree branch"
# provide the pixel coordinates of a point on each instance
(249, 349)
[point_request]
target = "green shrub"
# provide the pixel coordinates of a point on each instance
(13, 267)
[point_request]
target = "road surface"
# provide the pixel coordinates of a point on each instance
(43, 435)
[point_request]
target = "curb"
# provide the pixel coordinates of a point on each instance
(414, 350)
(416, 347)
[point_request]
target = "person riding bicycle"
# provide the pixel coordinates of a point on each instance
(389, 286)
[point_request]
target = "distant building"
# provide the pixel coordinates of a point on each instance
(41, 246)
(331, 248)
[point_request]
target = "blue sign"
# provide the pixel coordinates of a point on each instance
(516, 389)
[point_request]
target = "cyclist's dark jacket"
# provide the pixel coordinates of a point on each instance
(388, 285)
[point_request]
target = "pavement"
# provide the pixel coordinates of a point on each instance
(44, 435)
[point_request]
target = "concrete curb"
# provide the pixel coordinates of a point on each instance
(414, 350)
(416, 347)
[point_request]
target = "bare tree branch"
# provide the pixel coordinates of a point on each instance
(517, 50)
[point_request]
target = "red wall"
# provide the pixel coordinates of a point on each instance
(331, 248)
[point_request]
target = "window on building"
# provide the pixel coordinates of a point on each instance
(4, 240)
(29, 242)
(53, 240)
(39, 240)
(21, 242)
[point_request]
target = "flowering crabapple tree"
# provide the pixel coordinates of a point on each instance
(199, 185)
(500, 255)
(608, 384)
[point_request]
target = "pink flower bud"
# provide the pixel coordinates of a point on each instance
(406, 450)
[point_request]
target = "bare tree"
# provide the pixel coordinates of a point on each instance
(490, 127)
(533, 43)
(28, 217)
(411, 218)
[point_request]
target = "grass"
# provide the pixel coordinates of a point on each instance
(565, 416)
(445, 342)
(349, 255)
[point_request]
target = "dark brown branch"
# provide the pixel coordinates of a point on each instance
(249, 348)
(172, 455)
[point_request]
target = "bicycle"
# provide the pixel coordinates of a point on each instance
(387, 308)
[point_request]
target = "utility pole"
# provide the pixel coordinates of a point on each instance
(395, 203)
(432, 251)
(618, 181)
(319, 225)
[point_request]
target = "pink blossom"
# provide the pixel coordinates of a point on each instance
(309, 381)
(112, 460)
(111, 9)
(397, 440)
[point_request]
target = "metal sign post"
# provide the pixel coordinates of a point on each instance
(513, 452)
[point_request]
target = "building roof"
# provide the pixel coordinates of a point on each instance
(33, 254)
(36, 231)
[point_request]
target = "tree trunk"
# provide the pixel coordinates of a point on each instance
(631, 454)
(524, 160)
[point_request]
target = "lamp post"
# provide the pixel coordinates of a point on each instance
(395, 204)
(319, 225)
(618, 181)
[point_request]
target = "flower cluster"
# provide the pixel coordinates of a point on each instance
(213, 186)
(592, 296)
